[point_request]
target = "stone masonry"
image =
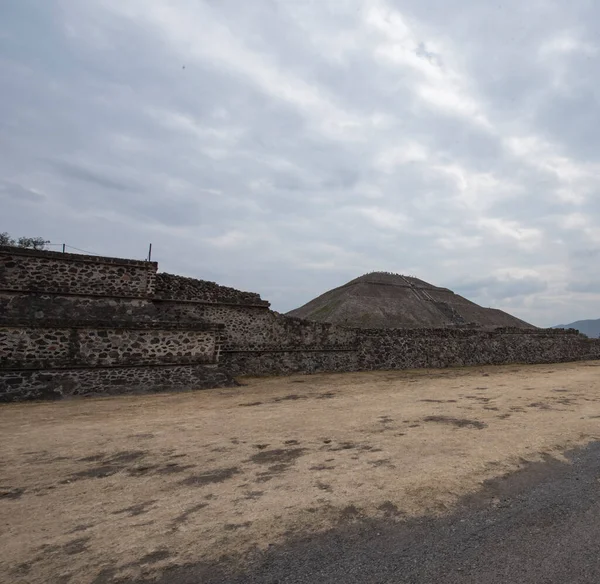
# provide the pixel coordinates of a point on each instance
(52, 272)
(84, 325)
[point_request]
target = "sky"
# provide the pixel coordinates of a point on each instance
(287, 146)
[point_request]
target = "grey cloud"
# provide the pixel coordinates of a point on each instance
(585, 254)
(578, 130)
(234, 173)
(95, 178)
(500, 289)
(592, 286)
(13, 191)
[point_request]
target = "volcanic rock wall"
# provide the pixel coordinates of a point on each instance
(53, 272)
(424, 348)
(83, 325)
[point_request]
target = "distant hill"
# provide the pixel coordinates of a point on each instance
(383, 300)
(591, 328)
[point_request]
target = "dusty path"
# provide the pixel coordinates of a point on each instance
(540, 525)
(122, 489)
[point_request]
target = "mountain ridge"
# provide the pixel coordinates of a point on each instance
(589, 327)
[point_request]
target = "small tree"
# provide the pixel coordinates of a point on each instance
(33, 242)
(27, 242)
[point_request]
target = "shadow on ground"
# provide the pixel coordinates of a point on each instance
(538, 525)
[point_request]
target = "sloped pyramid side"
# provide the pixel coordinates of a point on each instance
(383, 300)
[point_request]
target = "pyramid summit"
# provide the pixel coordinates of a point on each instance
(386, 300)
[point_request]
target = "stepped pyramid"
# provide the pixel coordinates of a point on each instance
(384, 300)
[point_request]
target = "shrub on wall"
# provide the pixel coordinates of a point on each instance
(27, 242)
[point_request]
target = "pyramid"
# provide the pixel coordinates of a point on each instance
(384, 300)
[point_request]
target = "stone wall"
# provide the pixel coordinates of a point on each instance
(420, 348)
(283, 362)
(79, 325)
(18, 306)
(82, 325)
(53, 272)
(85, 344)
(254, 329)
(249, 327)
(170, 287)
(35, 384)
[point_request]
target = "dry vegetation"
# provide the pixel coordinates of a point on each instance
(92, 490)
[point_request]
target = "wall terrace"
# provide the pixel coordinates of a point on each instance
(53, 272)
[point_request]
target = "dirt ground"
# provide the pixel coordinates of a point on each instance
(97, 490)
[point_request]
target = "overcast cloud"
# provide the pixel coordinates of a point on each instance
(288, 146)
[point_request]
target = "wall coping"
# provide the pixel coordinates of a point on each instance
(15, 291)
(265, 303)
(75, 257)
(119, 325)
(293, 350)
(458, 332)
(3, 371)
(148, 299)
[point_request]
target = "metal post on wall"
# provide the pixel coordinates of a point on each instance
(64, 246)
(150, 253)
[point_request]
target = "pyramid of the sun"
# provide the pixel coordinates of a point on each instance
(383, 300)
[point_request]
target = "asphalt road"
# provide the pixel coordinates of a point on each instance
(540, 525)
